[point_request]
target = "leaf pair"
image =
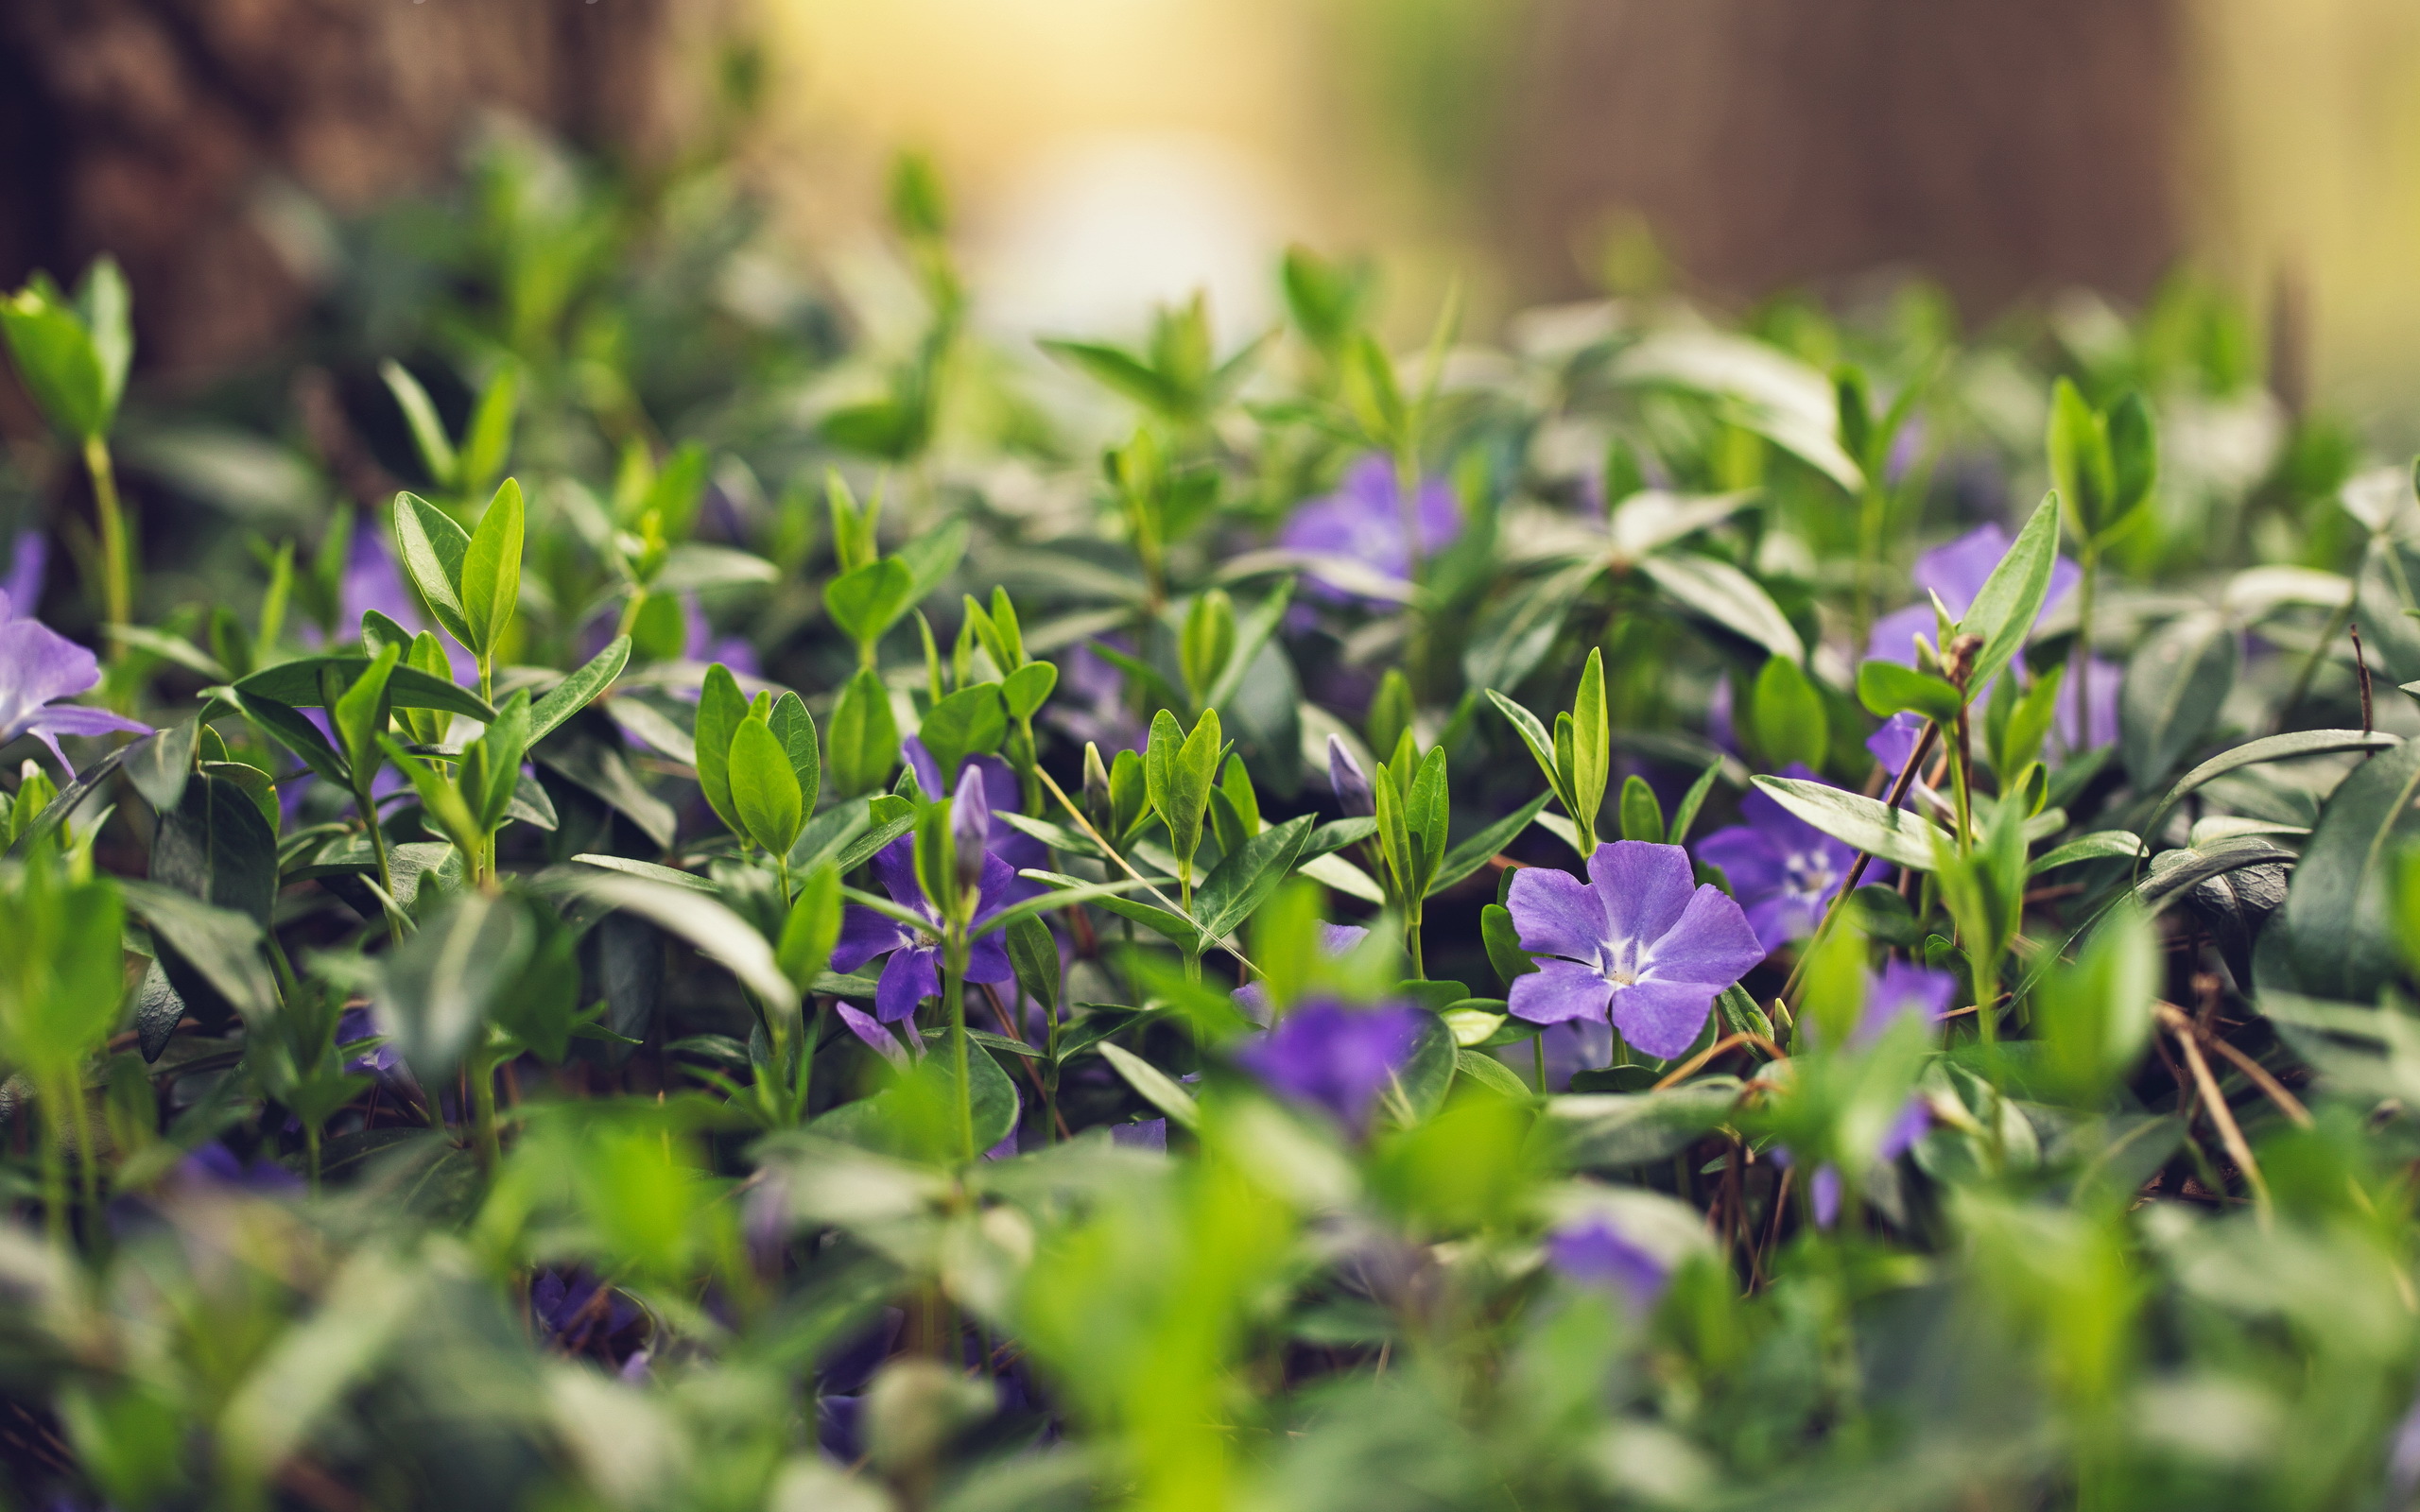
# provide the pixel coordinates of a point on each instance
(468, 471)
(2102, 462)
(73, 353)
(1178, 772)
(1412, 810)
(757, 763)
(487, 776)
(1576, 759)
(470, 581)
(866, 600)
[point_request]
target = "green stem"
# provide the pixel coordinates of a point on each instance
(1959, 782)
(369, 807)
(1538, 1060)
(630, 608)
(954, 951)
(483, 1111)
(54, 1165)
(1411, 941)
(117, 577)
(311, 1149)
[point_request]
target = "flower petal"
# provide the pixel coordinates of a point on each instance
(865, 934)
(1557, 914)
(1558, 991)
(1747, 856)
(1644, 888)
(38, 665)
(879, 1040)
(1663, 1019)
(912, 976)
(1711, 941)
(894, 867)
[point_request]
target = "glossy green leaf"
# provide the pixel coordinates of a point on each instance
(433, 547)
(2175, 682)
(764, 791)
(580, 689)
(1887, 687)
(970, 722)
(2011, 599)
(490, 580)
(1894, 835)
(721, 707)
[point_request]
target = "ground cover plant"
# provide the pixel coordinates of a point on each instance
(642, 888)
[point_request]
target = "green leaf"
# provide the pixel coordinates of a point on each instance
(1119, 372)
(1254, 633)
(970, 722)
(2268, 748)
(1607, 1131)
(433, 548)
(1892, 835)
(795, 729)
(1491, 1074)
(491, 582)
(1034, 955)
(2099, 845)
(298, 683)
(1243, 880)
(1887, 687)
(1502, 938)
(812, 928)
(651, 872)
(2134, 456)
(931, 555)
(1027, 688)
(1154, 1085)
(721, 707)
(209, 953)
(2339, 915)
(1534, 736)
(867, 602)
(1642, 815)
(215, 846)
(61, 363)
(2081, 469)
(1591, 736)
(718, 934)
(1684, 817)
(1480, 848)
(442, 985)
(1207, 641)
(577, 691)
(160, 763)
(2175, 682)
(1786, 715)
(764, 790)
(359, 717)
(2011, 599)
(1720, 593)
(489, 439)
(428, 433)
(285, 725)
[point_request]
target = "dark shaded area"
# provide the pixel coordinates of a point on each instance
(158, 130)
(2004, 147)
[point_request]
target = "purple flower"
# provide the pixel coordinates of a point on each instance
(39, 665)
(1782, 868)
(700, 643)
(1957, 572)
(1363, 520)
(1144, 1134)
(1824, 1189)
(1089, 704)
(913, 972)
(356, 1025)
(877, 1039)
(370, 581)
(1895, 741)
(1336, 941)
(1596, 1253)
(214, 1165)
(27, 559)
(1349, 783)
(1338, 1058)
(1635, 939)
(2098, 692)
(1902, 990)
(1001, 794)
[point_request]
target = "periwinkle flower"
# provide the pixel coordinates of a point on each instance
(1902, 990)
(1595, 1252)
(913, 972)
(1001, 794)
(1336, 943)
(37, 666)
(1638, 941)
(1333, 1056)
(1364, 520)
(1349, 783)
(1090, 703)
(700, 643)
(1782, 870)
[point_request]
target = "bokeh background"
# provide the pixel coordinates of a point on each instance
(1108, 153)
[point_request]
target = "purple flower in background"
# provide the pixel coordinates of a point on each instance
(1089, 704)
(1349, 783)
(1001, 794)
(1824, 1189)
(371, 581)
(913, 972)
(38, 665)
(1896, 742)
(217, 1166)
(1636, 940)
(1364, 520)
(1902, 990)
(1145, 1134)
(2098, 692)
(1596, 1253)
(1782, 868)
(700, 643)
(1336, 941)
(1957, 572)
(1334, 1057)
(27, 559)
(356, 1025)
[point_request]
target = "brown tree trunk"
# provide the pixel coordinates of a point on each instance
(2004, 145)
(159, 129)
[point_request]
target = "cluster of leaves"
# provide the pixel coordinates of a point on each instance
(595, 1012)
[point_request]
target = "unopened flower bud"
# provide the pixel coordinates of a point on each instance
(1350, 783)
(970, 826)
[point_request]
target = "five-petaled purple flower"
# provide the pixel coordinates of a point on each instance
(1957, 572)
(1333, 1056)
(1364, 520)
(913, 972)
(39, 665)
(1636, 937)
(1595, 1252)
(1782, 868)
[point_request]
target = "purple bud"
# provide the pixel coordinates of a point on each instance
(1350, 783)
(970, 825)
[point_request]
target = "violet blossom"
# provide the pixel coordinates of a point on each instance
(1364, 520)
(1333, 1056)
(1637, 941)
(1595, 1252)
(1901, 990)
(1002, 793)
(37, 666)
(913, 972)
(1782, 870)
(1349, 783)
(1957, 573)
(1089, 701)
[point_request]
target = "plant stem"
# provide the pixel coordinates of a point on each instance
(954, 951)
(1538, 1059)
(369, 807)
(1957, 774)
(54, 1165)
(483, 1111)
(311, 1154)
(117, 577)
(812, 1019)
(1411, 941)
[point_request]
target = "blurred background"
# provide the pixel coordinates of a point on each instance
(1103, 154)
